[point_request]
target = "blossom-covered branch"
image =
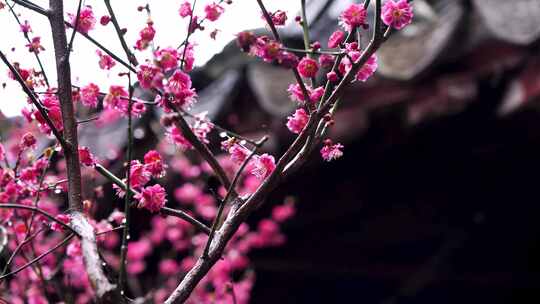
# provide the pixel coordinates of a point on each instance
(242, 175)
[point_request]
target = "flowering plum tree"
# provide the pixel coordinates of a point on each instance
(199, 238)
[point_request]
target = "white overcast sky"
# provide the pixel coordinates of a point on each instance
(171, 29)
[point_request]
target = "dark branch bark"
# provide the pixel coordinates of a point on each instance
(186, 217)
(105, 291)
(66, 104)
(31, 6)
(230, 191)
(239, 212)
(203, 150)
(131, 57)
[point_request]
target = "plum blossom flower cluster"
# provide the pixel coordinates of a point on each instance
(172, 182)
(177, 242)
(180, 244)
(396, 14)
(152, 198)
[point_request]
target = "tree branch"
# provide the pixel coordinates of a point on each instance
(164, 210)
(38, 258)
(203, 150)
(125, 235)
(104, 290)
(29, 41)
(270, 23)
(34, 100)
(229, 193)
(186, 217)
(104, 49)
(237, 215)
(130, 56)
(63, 71)
(26, 240)
(32, 6)
(40, 211)
(75, 28)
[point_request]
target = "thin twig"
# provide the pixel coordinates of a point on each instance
(373, 46)
(40, 211)
(125, 235)
(29, 41)
(270, 23)
(36, 202)
(201, 147)
(32, 6)
(75, 28)
(38, 258)
(305, 34)
(130, 56)
(164, 210)
(110, 230)
(229, 193)
(34, 100)
(186, 217)
(189, 32)
(199, 23)
(87, 120)
(104, 49)
(26, 240)
(220, 128)
(312, 51)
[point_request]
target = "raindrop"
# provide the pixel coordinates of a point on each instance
(223, 134)
(138, 133)
(243, 142)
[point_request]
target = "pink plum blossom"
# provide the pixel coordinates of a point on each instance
(185, 9)
(297, 121)
(152, 198)
(331, 151)
(89, 95)
(213, 11)
(264, 165)
(353, 16)
(336, 39)
(86, 22)
(86, 157)
(308, 67)
(397, 14)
